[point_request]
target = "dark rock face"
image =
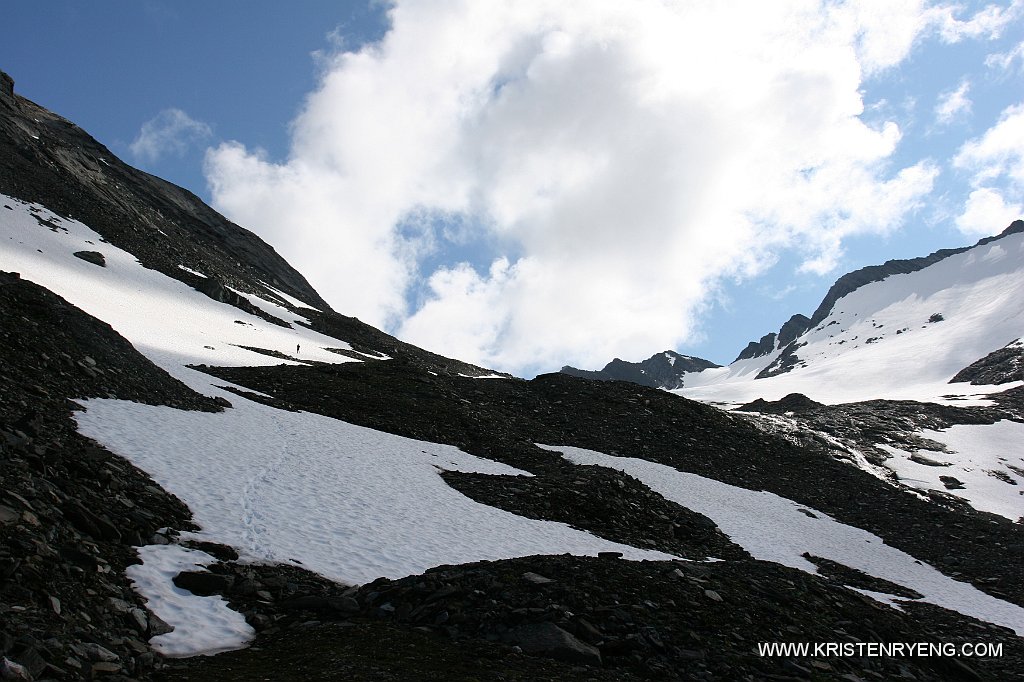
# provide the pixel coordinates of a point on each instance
(794, 402)
(756, 349)
(998, 367)
(163, 225)
(6, 85)
(661, 370)
(786, 362)
(94, 257)
(548, 640)
(790, 331)
(794, 327)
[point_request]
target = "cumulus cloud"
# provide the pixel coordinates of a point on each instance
(953, 104)
(999, 152)
(986, 212)
(610, 161)
(172, 131)
(995, 161)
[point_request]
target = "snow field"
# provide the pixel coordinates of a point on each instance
(978, 293)
(777, 529)
(987, 459)
(345, 501)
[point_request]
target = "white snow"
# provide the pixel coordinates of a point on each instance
(976, 452)
(202, 625)
(291, 300)
(268, 306)
(190, 270)
(980, 295)
(774, 528)
(348, 502)
(168, 321)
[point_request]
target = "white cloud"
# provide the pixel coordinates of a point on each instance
(1004, 60)
(953, 103)
(987, 23)
(616, 158)
(999, 153)
(986, 212)
(171, 131)
(995, 161)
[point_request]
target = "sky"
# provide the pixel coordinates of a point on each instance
(532, 184)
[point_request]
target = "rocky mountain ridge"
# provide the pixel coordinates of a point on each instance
(850, 282)
(50, 160)
(661, 370)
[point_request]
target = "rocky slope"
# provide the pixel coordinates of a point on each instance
(75, 514)
(50, 160)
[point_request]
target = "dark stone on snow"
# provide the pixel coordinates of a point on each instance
(214, 549)
(952, 483)
(203, 583)
(94, 257)
(794, 402)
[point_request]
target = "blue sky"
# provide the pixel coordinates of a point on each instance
(540, 185)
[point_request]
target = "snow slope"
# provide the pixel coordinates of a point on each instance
(776, 529)
(166, 320)
(879, 340)
(987, 460)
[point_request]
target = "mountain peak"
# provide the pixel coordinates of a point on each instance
(661, 370)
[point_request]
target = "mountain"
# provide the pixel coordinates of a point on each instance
(661, 370)
(189, 468)
(907, 329)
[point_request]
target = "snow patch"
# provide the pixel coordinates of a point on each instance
(773, 528)
(346, 501)
(202, 625)
(190, 270)
(988, 459)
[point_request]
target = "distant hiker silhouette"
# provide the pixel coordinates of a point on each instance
(296, 348)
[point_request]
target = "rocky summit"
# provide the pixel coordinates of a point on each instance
(208, 473)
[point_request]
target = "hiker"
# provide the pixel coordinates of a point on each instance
(296, 349)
